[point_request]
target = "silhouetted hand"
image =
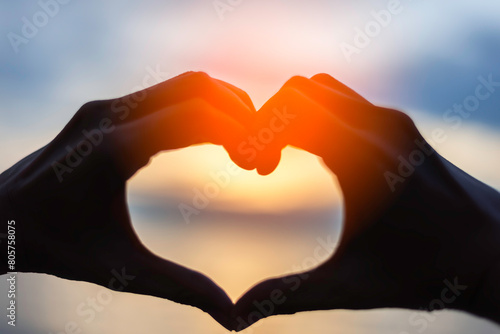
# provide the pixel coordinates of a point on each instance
(418, 231)
(69, 198)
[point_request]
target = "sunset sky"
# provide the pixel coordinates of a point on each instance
(425, 58)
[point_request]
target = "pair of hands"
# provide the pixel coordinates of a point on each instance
(407, 230)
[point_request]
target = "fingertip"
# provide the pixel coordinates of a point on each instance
(241, 161)
(269, 161)
(224, 319)
(266, 169)
(238, 157)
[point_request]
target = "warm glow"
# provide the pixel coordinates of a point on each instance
(300, 181)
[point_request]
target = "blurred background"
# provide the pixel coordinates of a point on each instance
(424, 58)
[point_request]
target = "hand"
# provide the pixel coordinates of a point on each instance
(416, 228)
(71, 194)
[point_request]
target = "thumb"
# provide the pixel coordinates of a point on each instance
(286, 295)
(346, 281)
(154, 276)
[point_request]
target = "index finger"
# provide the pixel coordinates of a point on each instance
(184, 87)
(158, 277)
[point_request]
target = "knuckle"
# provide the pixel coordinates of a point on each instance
(245, 95)
(201, 79)
(296, 81)
(405, 120)
(402, 121)
(198, 279)
(200, 83)
(288, 93)
(197, 105)
(322, 76)
(94, 106)
(91, 111)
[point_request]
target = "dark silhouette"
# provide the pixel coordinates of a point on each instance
(72, 215)
(416, 227)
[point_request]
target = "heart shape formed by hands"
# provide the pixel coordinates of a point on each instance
(107, 142)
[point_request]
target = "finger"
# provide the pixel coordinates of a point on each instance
(352, 279)
(269, 160)
(149, 274)
(241, 94)
(358, 146)
(179, 89)
(143, 103)
(268, 134)
(329, 81)
(293, 118)
(353, 112)
(188, 123)
(349, 152)
(286, 295)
